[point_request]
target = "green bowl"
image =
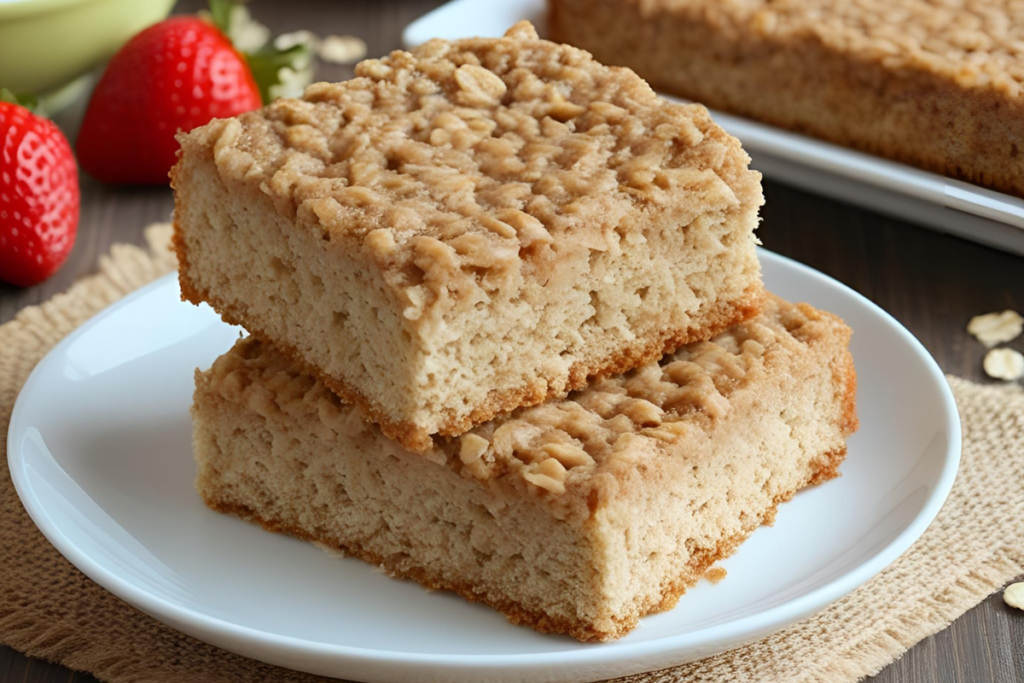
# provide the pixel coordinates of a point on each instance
(45, 44)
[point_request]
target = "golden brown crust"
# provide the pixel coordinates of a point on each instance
(844, 374)
(701, 561)
(850, 422)
(944, 91)
(416, 439)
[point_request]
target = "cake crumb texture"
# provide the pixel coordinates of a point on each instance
(470, 227)
(578, 516)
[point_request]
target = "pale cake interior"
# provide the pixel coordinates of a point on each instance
(292, 291)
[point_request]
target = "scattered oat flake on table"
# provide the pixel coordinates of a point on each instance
(341, 49)
(996, 328)
(1013, 595)
(1005, 364)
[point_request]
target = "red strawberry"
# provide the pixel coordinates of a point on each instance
(38, 196)
(174, 75)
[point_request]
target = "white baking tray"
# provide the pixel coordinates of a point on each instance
(884, 186)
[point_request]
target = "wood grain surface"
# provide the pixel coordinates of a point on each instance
(930, 282)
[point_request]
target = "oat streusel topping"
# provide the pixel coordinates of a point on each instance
(977, 43)
(484, 156)
(545, 445)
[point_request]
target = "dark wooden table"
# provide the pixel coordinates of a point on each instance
(932, 283)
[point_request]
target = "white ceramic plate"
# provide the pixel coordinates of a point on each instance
(899, 190)
(99, 450)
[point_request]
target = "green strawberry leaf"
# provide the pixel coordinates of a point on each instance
(30, 102)
(220, 13)
(278, 71)
(281, 73)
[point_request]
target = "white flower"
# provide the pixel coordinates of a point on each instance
(286, 41)
(291, 83)
(247, 34)
(342, 49)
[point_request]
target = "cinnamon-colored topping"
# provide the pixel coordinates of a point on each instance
(461, 164)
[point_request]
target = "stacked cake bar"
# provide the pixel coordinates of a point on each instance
(507, 331)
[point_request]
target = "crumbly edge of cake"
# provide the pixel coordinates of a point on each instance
(822, 469)
(539, 621)
(645, 410)
(840, 377)
(413, 437)
(673, 590)
(959, 131)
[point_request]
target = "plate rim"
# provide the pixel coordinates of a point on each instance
(218, 631)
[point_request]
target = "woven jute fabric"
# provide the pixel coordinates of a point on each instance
(48, 609)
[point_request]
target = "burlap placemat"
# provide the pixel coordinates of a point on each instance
(48, 609)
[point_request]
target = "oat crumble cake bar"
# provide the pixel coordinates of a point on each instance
(934, 83)
(469, 228)
(576, 516)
